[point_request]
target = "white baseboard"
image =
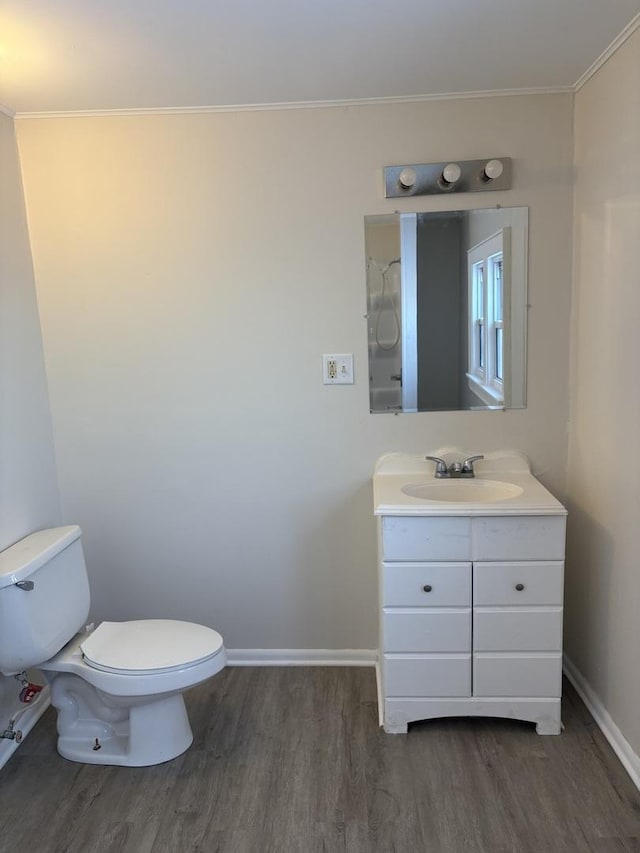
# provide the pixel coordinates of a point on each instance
(302, 657)
(620, 745)
(26, 722)
(380, 695)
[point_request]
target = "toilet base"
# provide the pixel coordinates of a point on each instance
(94, 728)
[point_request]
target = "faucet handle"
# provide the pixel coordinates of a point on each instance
(441, 465)
(467, 465)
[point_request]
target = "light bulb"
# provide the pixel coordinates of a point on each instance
(493, 170)
(451, 173)
(407, 178)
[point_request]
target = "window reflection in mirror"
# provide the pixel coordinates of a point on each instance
(446, 309)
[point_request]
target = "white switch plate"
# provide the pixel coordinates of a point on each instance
(337, 369)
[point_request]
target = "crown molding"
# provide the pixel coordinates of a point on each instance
(298, 105)
(618, 41)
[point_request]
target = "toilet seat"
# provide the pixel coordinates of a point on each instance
(149, 646)
(128, 682)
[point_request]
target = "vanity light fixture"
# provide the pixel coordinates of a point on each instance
(466, 176)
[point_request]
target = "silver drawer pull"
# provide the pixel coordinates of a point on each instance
(519, 587)
(26, 585)
(427, 587)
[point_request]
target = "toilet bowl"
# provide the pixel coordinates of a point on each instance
(117, 688)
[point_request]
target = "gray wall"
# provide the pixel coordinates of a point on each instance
(603, 580)
(29, 497)
(188, 287)
(440, 295)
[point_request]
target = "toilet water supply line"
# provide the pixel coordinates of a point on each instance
(30, 695)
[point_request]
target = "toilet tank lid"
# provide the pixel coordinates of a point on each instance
(29, 554)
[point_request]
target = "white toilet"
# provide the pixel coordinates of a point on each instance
(117, 689)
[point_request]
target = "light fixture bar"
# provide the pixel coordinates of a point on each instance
(451, 176)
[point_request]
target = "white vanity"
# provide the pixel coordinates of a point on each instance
(471, 592)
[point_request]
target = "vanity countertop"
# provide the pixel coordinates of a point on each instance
(398, 473)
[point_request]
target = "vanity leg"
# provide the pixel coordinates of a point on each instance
(549, 727)
(396, 728)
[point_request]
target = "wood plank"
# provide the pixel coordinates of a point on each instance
(291, 760)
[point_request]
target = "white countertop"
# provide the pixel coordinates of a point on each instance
(393, 471)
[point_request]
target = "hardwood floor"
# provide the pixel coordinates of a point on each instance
(291, 760)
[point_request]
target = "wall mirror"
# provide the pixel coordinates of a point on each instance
(447, 309)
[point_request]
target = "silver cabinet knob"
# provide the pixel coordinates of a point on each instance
(519, 587)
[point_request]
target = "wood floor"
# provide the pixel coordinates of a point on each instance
(291, 760)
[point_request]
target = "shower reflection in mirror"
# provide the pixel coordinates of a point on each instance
(446, 309)
(384, 312)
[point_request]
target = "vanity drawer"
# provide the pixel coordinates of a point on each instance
(416, 538)
(517, 675)
(519, 538)
(427, 584)
(427, 631)
(521, 630)
(428, 675)
(521, 583)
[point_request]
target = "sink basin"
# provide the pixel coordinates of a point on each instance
(462, 491)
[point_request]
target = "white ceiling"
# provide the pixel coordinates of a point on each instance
(85, 55)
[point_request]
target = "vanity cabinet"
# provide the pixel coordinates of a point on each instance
(471, 618)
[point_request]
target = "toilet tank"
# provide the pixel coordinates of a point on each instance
(44, 597)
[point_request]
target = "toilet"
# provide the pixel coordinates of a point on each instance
(118, 688)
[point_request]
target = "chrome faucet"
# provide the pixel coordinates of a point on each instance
(456, 469)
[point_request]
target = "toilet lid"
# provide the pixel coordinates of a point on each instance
(149, 646)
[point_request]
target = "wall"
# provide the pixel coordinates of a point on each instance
(603, 582)
(28, 489)
(440, 265)
(191, 269)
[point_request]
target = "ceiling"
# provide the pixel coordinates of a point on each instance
(92, 55)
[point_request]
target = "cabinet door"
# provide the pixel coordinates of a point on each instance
(444, 630)
(428, 676)
(517, 629)
(514, 675)
(518, 583)
(426, 585)
(501, 629)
